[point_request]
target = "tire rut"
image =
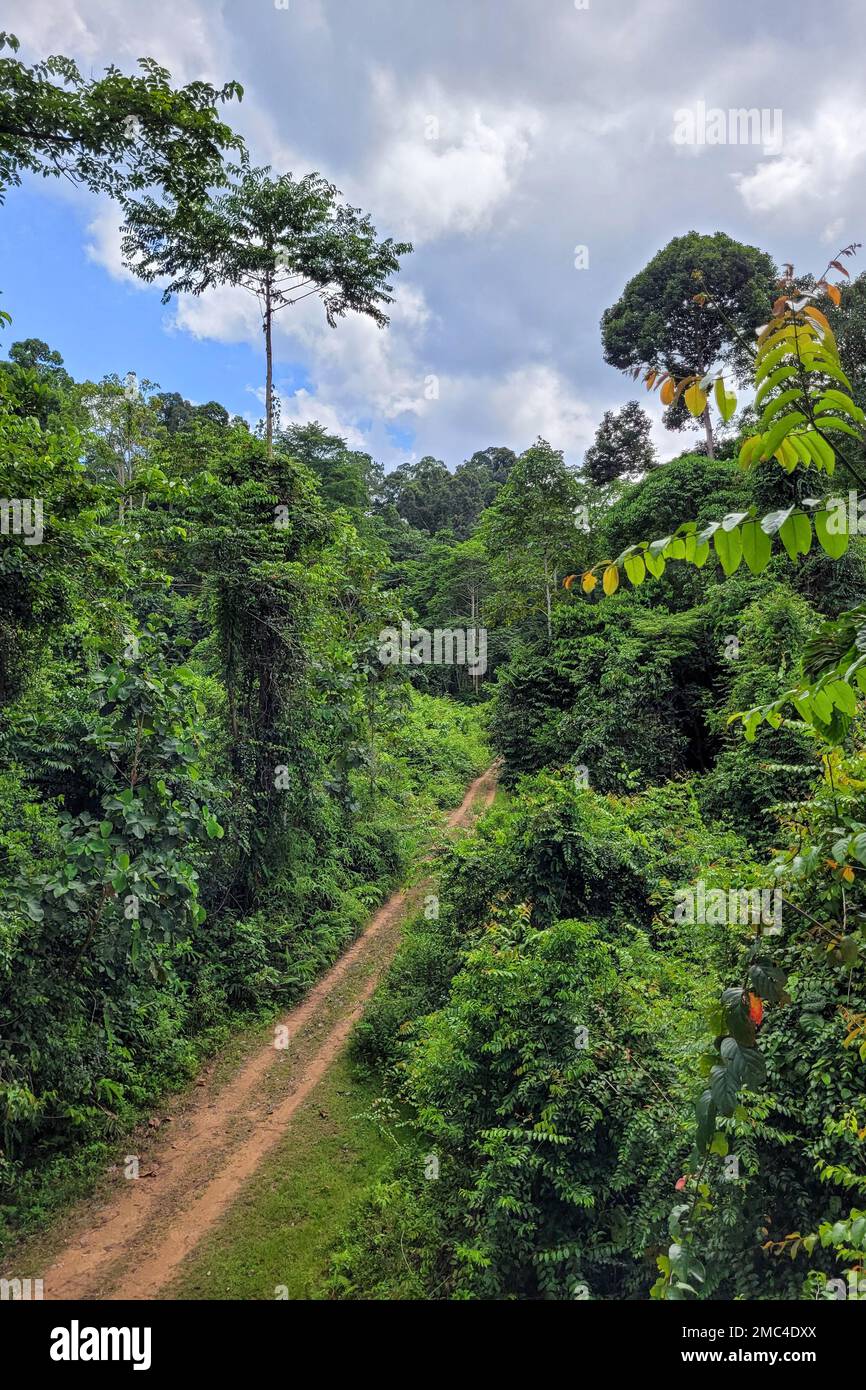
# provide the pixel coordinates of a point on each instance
(218, 1139)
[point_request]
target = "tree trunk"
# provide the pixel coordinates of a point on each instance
(472, 606)
(547, 600)
(269, 371)
(708, 428)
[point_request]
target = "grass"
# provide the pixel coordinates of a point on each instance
(282, 1228)
(279, 1232)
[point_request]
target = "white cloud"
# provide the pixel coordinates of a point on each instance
(443, 166)
(302, 407)
(817, 163)
(225, 314)
(103, 248)
(187, 37)
(364, 379)
(536, 400)
(553, 130)
(477, 409)
(473, 411)
(833, 231)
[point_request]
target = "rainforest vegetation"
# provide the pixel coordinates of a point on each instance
(622, 1051)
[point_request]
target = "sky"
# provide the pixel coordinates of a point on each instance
(537, 153)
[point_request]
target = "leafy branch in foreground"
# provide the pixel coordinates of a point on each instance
(115, 134)
(797, 346)
(814, 349)
(834, 662)
(803, 395)
(736, 537)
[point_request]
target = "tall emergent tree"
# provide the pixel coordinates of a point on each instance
(114, 134)
(622, 446)
(532, 529)
(658, 322)
(283, 239)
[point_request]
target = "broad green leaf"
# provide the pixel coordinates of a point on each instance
(786, 398)
(746, 456)
(726, 401)
(768, 980)
(635, 569)
(830, 422)
(838, 400)
(772, 360)
(783, 373)
(830, 369)
(774, 520)
(835, 540)
(843, 696)
(796, 535)
(746, 1063)
(736, 1007)
(821, 449)
(729, 548)
(724, 1089)
(757, 546)
(822, 705)
(773, 439)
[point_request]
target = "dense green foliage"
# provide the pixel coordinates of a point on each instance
(656, 320)
(549, 1029)
(622, 446)
(114, 134)
(624, 1043)
(209, 779)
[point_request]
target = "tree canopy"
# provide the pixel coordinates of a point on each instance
(622, 446)
(281, 238)
(657, 321)
(115, 134)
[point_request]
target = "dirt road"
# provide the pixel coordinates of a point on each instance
(213, 1138)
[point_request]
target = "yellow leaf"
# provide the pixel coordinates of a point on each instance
(848, 874)
(588, 582)
(610, 579)
(816, 314)
(787, 456)
(666, 394)
(833, 293)
(682, 386)
(696, 400)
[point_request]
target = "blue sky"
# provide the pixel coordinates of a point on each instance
(59, 293)
(498, 136)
